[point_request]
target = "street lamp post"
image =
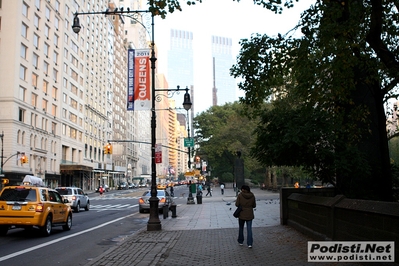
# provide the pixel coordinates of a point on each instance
(2, 153)
(187, 106)
(154, 224)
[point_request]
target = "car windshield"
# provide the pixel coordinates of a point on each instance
(18, 194)
(160, 193)
(64, 191)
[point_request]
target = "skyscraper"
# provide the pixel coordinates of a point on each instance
(224, 87)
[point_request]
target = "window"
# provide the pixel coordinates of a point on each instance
(57, 6)
(24, 50)
(56, 23)
(25, 9)
(44, 105)
(47, 12)
(54, 110)
(22, 72)
(55, 75)
(34, 80)
(74, 103)
(56, 40)
(34, 100)
(36, 41)
(35, 60)
(64, 113)
(46, 31)
(55, 57)
(64, 97)
(45, 68)
(53, 128)
(21, 116)
(73, 118)
(45, 86)
(36, 21)
(24, 31)
(22, 94)
(37, 4)
(55, 93)
(46, 49)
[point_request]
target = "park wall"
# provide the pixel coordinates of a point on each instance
(322, 215)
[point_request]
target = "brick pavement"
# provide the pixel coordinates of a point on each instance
(206, 234)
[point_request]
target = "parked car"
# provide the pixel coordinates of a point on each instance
(132, 185)
(163, 196)
(76, 197)
(31, 206)
(122, 185)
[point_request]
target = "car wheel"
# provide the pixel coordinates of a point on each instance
(46, 229)
(141, 210)
(68, 224)
(77, 209)
(3, 230)
(87, 208)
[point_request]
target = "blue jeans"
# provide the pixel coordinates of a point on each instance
(241, 232)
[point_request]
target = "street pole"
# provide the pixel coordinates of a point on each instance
(154, 224)
(188, 134)
(2, 153)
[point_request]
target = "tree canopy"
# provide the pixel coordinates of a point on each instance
(328, 89)
(221, 132)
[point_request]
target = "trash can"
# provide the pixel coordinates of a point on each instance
(199, 198)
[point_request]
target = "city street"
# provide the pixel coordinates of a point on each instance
(110, 219)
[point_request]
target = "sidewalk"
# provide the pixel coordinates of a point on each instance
(206, 234)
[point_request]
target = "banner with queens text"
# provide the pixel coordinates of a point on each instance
(138, 80)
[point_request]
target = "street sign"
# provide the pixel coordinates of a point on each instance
(188, 142)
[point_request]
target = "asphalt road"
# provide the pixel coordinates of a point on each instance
(110, 219)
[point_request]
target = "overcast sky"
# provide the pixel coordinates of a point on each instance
(225, 18)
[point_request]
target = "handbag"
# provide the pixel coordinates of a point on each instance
(236, 214)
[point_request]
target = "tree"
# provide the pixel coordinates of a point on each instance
(221, 131)
(330, 87)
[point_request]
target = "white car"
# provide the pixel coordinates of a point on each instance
(76, 197)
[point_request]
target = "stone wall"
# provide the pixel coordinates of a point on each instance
(324, 216)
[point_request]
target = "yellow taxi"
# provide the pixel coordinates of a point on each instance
(161, 186)
(30, 206)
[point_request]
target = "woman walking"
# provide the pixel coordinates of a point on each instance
(246, 199)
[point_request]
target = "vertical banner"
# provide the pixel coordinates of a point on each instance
(138, 80)
(158, 153)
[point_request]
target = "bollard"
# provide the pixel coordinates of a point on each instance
(199, 197)
(165, 211)
(173, 210)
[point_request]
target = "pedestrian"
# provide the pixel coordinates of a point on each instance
(209, 191)
(172, 193)
(246, 199)
(101, 190)
(222, 188)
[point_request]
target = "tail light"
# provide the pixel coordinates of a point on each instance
(163, 200)
(39, 207)
(73, 197)
(141, 201)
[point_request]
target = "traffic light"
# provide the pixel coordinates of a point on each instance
(24, 159)
(108, 149)
(4, 181)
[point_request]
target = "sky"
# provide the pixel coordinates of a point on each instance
(225, 18)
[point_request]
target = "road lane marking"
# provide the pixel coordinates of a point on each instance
(9, 256)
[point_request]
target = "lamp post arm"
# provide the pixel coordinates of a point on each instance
(8, 159)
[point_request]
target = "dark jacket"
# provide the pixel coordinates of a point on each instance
(248, 203)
